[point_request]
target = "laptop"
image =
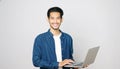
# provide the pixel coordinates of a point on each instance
(90, 58)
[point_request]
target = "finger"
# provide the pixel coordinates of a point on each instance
(70, 60)
(85, 66)
(69, 63)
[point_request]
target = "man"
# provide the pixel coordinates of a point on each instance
(54, 48)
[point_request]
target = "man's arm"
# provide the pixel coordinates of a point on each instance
(71, 48)
(37, 61)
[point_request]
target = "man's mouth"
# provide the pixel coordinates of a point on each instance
(55, 24)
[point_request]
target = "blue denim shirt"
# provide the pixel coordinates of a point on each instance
(44, 55)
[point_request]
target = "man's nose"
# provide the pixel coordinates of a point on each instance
(55, 20)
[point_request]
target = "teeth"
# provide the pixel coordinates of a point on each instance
(55, 24)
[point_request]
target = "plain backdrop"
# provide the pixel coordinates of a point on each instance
(91, 23)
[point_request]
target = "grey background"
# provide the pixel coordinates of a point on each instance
(90, 23)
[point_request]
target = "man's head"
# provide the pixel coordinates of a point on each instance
(55, 9)
(54, 15)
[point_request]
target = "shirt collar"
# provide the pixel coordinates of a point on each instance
(51, 35)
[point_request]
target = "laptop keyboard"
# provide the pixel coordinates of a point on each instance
(77, 64)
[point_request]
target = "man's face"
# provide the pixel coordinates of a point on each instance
(55, 20)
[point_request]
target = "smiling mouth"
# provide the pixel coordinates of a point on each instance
(55, 24)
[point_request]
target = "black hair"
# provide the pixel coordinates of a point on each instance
(55, 9)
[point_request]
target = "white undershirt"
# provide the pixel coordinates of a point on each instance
(58, 47)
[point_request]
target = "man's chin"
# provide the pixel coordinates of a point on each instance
(56, 28)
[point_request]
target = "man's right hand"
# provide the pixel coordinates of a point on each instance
(64, 62)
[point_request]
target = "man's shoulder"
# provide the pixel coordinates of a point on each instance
(41, 35)
(66, 35)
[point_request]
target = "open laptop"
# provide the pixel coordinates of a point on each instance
(90, 58)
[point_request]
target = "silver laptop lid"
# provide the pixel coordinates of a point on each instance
(91, 55)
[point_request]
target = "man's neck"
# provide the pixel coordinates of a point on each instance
(55, 32)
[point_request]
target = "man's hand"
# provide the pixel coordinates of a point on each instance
(85, 66)
(64, 62)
